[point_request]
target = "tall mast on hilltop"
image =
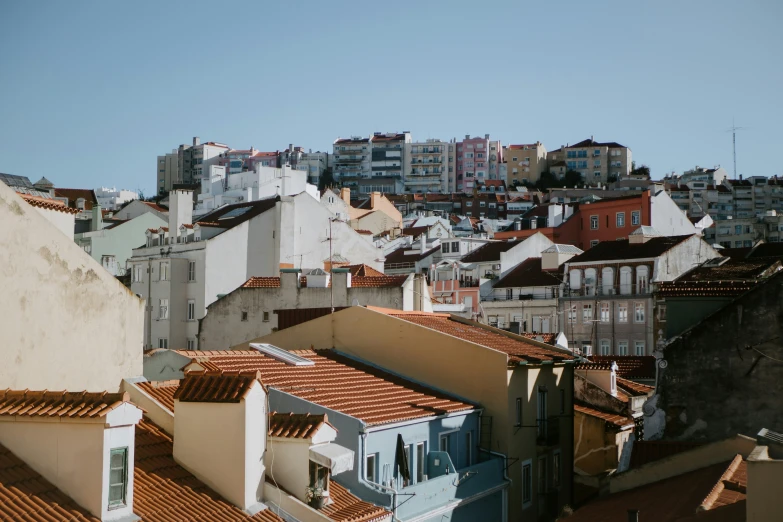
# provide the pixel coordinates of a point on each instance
(733, 131)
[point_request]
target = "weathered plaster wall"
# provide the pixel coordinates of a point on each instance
(716, 382)
(65, 323)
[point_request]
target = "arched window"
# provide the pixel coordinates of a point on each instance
(625, 280)
(590, 281)
(607, 281)
(642, 279)
(576, 279)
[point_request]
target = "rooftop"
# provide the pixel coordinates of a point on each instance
(262, 282)
(528, 273)
(295, 425)
(215, 386)
(59, 404)
(629, 366)
(230, 216)
(48, 204)
(73, 195)
(519, 350)
(400, 256)
(614, 420)
(337, 382)
(489, 252)
(623, 249)
(592, 143)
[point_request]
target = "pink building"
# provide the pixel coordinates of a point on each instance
(450, 285)
(477, 160)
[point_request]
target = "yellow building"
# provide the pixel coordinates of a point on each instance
(525, 387)
(595, 161)
(524, 162)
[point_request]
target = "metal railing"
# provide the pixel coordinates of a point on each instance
(548, 431)
(399, 266)
(607, 290)
(549, 293)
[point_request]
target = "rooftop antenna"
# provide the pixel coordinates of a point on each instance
(733, 131)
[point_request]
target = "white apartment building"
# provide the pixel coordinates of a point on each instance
(314, 164)
(351, 158)
(185, 267)
(112, 199)
(429, 165)
(218, 188)
(189, 163)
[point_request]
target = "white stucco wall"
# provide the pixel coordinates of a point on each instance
(66, 323)
(667, 218)
(287, 462)
(63, 221)
(530, 247)
(136, 209)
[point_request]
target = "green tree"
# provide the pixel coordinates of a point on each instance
(326, 180)
(572, 178)
(644, 170)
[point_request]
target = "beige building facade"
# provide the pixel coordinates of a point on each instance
(525, 163)
(596, 161)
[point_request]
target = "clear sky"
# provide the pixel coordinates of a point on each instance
(92, 91)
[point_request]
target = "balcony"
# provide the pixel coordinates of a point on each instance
(548, 431)
(407, 265)
(549, 293)
(609, 290)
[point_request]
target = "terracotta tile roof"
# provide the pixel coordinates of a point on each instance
(48, 204)
(489, 252)
(59, 404)
(295, 425)
(548, 338)
(364, 232)
(617, 421)
(26, 495)
(363, 270)
(415, 231)
(219, 386)
(629, 366)
(634, 387)
(705, 288)
(155, 206)
(622, 249)
(731, 488)
(528, 273)
(339, 383)
(348, 508)
(674, 498)
(646, 451)
(262, 282)
(73, 195)
(165, 492)
(161, 391)
(517, 350)
(385, 281)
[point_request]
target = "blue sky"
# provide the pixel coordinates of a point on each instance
(92, 92)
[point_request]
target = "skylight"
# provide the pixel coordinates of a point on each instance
(281, 355)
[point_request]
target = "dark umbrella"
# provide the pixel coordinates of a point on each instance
(401, 459)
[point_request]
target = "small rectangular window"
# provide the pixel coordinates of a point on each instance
(192, 271)
(605, 349)
(163, 343)
(163, 309)
(593, 222)
(421, 459)
(518, 412)
(638, 348)
(244, 316)
(622, 312)
(622, 347)
(635, 220)
(118, 477)
(369, 471)
(638, 313)
(191, 310)
(164, 271)
(527, 483)
(191, 344)
(604, 312)
(266, 317)
(620, 219)
(593, 243)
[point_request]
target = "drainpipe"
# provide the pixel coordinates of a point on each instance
(505, 468)
(363, 476)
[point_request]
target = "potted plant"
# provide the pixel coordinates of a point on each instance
(315, 497)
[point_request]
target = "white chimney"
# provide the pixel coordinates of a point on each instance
(97, 218)
(180, 212)
(423, 245)
(220, 422)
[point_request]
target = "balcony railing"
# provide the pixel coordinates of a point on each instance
(548, 431)
(399, 266)
(607, 290)
(549, 293)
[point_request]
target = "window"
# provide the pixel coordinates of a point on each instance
(593, 222)
(421, 459)
(468, 203)
(509, 294)
(587, 313)
(662, 312)
(642, 279)
(445, 443)
(191, 344)
(638, 312)
(518, 412)
(556, 469)
(604, 312)
(164, 271)
(191, 271)
(163, 309)
(622, 347)
(244, 316)
(370, 466)
(445, 248)
(738, 229)
(482, 203)
(163, 343)
(622, 312)
(638, 347)
(527, 486)
(191, 310)
(635, 218)
(605, 348)
(118, 477)
(625, 280)
(542, 410)
(319, 476)
(138, 273)
(572, 314)
(455, 246)
(542, 475)
(468, 448)
(620, 219)
(266, 317)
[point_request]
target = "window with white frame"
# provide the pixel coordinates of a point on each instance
(191, 309)
(370, 467)
(622, 347)
(638, 348)
(163, 342)
(421, 460)
(604, 312)
(527, 483)
(593, 222)
(138, 273)
(638, 312)
(642, 279)
(605, 347)
(587, 313)
(620, 219)
(635, 217)
(163, 309)
(191, 344)
(625, 280)
(118, 477)
(191, 271)
(164, 271)
(622, 312)
(572, 314)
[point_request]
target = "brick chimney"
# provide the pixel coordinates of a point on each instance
(375, 199)
(345, 195)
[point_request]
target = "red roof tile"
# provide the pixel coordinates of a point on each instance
(731, 488)
(59, 404)
(364, 232)
(262, 282)
(629, 366)
(363, 270)
(161, 391)
(165, 492)
(26, 495)
(48, 204)
(219, 386)
(346, 507)
(385, 281)
(295, 425)
(548, 338)
(155, 206)
(339, 383)
(635, 387)
(73, 195)
(517, 350)
(618, 421)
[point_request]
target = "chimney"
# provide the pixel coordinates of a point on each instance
(375, 199)
(180, 212)
(423, 246)
(467, 136)
(345, 195)
(97, 218)
(486, 136)
(222, 443)
(196, 141)
(290, 278)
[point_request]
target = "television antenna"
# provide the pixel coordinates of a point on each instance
(733, 131)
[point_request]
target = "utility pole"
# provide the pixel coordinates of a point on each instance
(733, 131)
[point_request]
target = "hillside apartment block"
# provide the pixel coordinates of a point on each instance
(595, 161)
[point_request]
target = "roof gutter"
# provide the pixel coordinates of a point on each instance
(510, 335)
(382, 427)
